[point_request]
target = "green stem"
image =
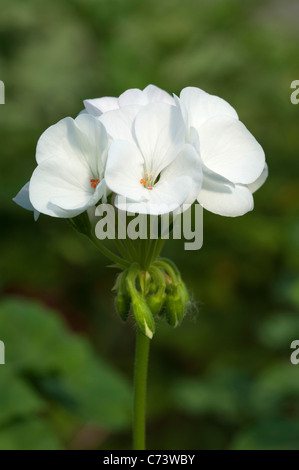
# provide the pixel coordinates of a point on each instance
(148, 254)
(123, 251)
(109, 254)
(140, 376)
(133, 248)
(157, 249)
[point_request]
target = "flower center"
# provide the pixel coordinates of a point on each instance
(147, 181)
(94, 183)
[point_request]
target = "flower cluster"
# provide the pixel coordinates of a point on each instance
(149, 153)
(160, 291)
(157, 152)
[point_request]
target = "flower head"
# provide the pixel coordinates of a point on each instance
(158, 152)
(69, 178)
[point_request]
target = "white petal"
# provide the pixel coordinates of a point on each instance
(54, 140)
(201, 106)
(228, 148)
(183, 110)
(97, 106)
(125, 169)
(191, 132)
(81, 201)
(132, 97)
(165, 197)
(119, 123)
(22, 199)
(80, 141)
(221, 197)
(78, 202)
(187, 163)
(155, 94)
(56, 178)
(93, 143)
(159, 130)
(260, 181)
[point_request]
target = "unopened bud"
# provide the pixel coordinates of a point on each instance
(141, 311)
(183, 292)
(143, 315)
(123, 300)
(157, 295)
(177, 297)
(174, 309)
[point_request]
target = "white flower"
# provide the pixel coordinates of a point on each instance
(233, 161)
(134, 96)
(69, 178)
(149, 162)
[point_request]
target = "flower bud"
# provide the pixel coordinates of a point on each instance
(156, 303)
(152, 288)
(177, 297)
(183, 292)
(174, 309)
(157, 295)
(143, 315)
(122, 300)
(141, 311)
(144, 281)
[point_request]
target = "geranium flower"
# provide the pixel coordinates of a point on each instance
(69, 178)
(149, 162)
(233, 161)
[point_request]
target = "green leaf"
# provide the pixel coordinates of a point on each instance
(31, 434)
(223, 394)
(17, 398)
(62, 365)
(269, 435)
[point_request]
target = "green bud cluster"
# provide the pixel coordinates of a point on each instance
(159, 291)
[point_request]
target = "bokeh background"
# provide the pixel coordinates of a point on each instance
(224, 379)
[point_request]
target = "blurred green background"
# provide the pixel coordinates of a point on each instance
(224, 379)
